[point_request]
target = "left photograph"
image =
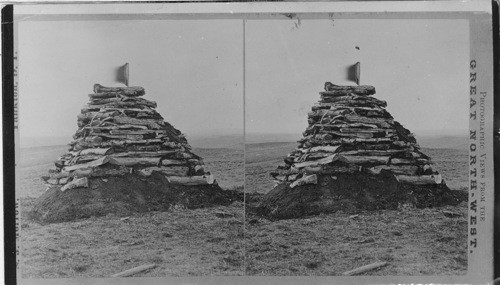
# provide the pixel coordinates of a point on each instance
(129, 147)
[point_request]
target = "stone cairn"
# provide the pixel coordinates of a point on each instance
(120, 133)
(351, 132)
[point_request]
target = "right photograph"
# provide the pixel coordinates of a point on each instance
(356, 146)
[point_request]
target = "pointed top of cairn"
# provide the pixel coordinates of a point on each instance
(351, 132)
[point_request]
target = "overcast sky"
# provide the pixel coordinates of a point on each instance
(193, 69)
(420, 67)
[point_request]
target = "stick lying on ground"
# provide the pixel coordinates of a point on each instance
(134, 270)
(365, 268)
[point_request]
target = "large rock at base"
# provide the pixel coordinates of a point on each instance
(124, 196)
(352, 193)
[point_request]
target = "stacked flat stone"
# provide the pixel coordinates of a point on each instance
(351, 131)
(121, 133)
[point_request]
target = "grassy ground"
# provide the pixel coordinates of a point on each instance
(413, 241)
(453, 164)
(261, 158)
(214, 241)
(225, 164)
(181, 242)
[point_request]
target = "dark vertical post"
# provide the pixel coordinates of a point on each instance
(496, 135)
(9, 198)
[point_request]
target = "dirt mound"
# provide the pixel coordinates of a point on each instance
(352, 193)
(124, 196)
